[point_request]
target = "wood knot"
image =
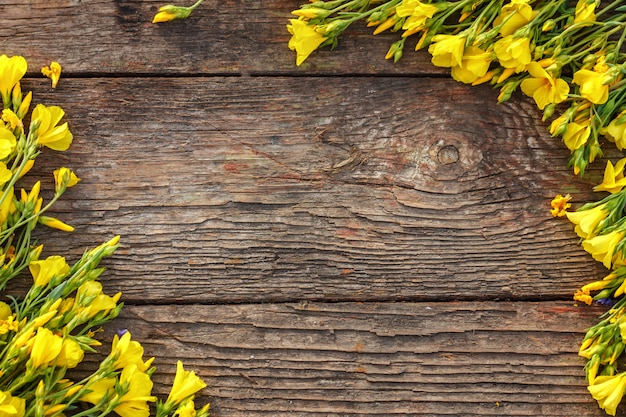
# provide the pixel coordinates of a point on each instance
(448, 155)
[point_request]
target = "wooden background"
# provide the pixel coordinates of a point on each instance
(346, 238)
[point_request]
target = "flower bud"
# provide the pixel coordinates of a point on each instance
(548, 25)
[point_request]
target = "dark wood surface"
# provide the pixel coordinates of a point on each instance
(346, 238)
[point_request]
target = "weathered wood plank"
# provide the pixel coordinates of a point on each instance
(372, 359)
(277, 189)
(221, 37)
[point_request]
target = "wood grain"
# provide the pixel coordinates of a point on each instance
(221, 37)
(278, 189)
(335, 239)
(375, 359)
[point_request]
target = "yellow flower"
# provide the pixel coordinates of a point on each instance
(71, 354)
(186, 384)
(186, 410)
(543, 87)
(474, 65)
(92, 300)
(98, 389)
(513, 52)
(134, 402)
(5, 174)
(170, 12)
(128, 352)
(46, 346)
(447, 50)
(585, 11)
(559, 125)
(11, 406)
(416, 13)
(31, 200)
(602, 248)
(560, 205)
(577, 134)
(64, 178)
(9, 325)
(608, 391)
(44, 271)
(5, 310)
(513, 16)
(614, 179)
(55, 223)
(11, 72)
(53, 72)
(12, 120)
(7, 206)
(592, 85)
(616, 131)
(583, 296)
(58, 138)
(304, 40)
(311, 12)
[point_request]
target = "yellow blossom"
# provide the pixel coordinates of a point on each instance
(560, 205)
(186, 384)
(615, 131)
(55, 223)
(311, 12)
(134, 402)
(8, 325)
(44, 271)
(558, 125)
(513, 52)
(596, 285)
(71, 354)
(55, 410)
(603, 247)
(584, 297)
(93, 301)
(608, 391)
(98, 389)
(513, 16)
(474, 65)
(416, 13)
(543, 87)
(11, 72)
(31, 200)
(447, 50)
(186, 410)
(577, 134)
(45, 348)
(12, 120)
(128, 352)
(585, 11)
(53, 72)
(170, 12)
(5, 310)
(614, 179)
(58, 138)
(5, 174)
(304, 39)
(592, 85)
(11, 406)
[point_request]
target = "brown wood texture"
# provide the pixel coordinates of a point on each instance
(375, 359)
(347, 238)
(278, 189)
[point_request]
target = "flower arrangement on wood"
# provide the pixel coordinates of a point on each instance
(51, 328)
(567, 55)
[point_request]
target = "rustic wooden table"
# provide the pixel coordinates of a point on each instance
(346, 238)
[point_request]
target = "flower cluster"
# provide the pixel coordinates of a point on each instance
(51, 327)
(601, 227)
(565, 56)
